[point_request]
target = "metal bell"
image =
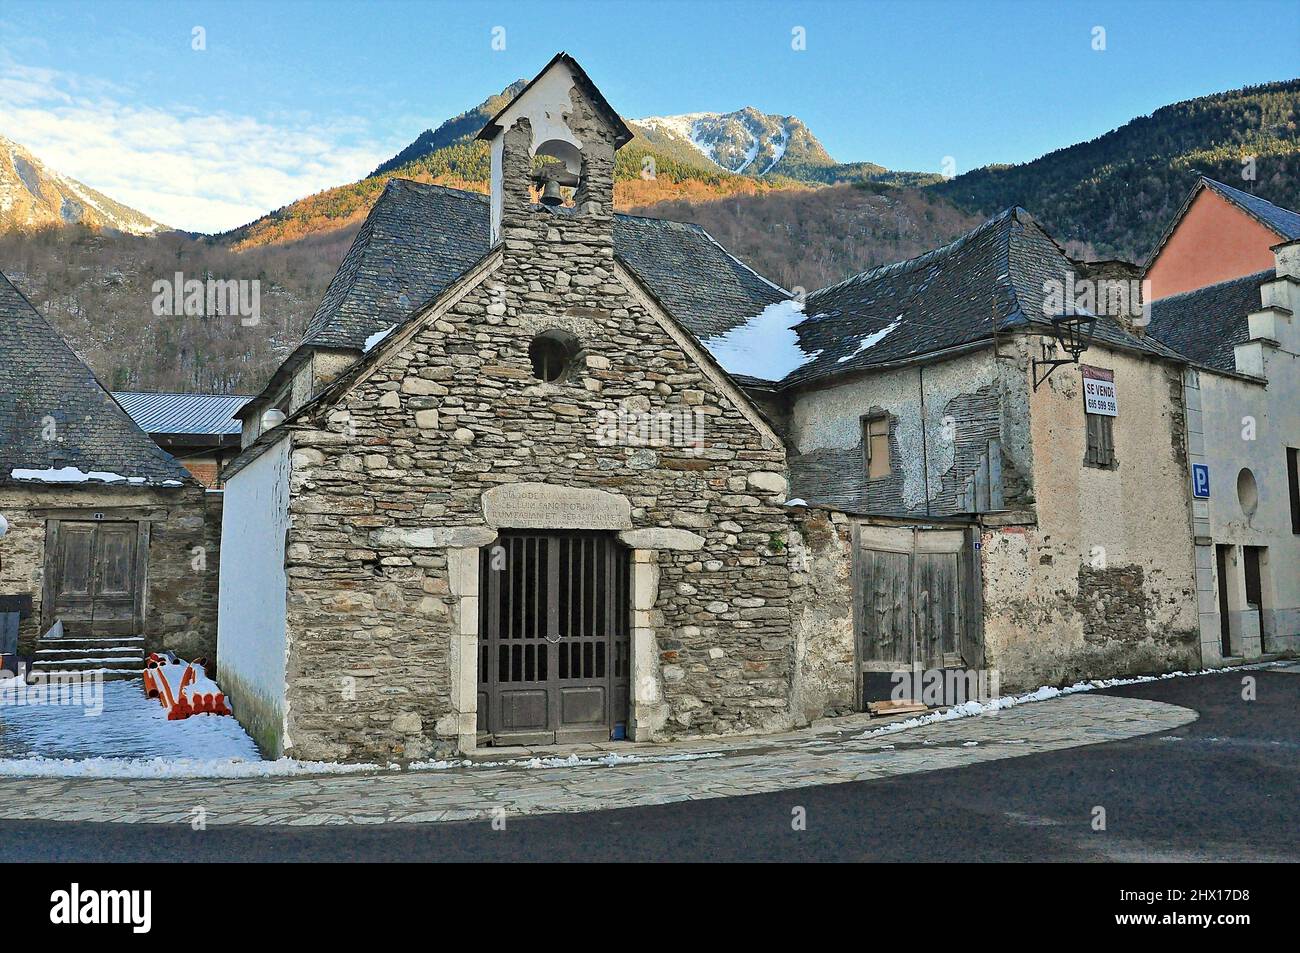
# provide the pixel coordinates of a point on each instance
(551, 193)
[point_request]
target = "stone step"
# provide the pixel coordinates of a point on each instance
(107, 672)
(133, 650)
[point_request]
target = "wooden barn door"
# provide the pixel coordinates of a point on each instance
(554, 638)
(917, 602)
(94, 576)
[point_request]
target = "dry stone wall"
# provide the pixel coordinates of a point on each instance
(397, 470)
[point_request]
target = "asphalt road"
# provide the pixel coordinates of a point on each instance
(1224, 788)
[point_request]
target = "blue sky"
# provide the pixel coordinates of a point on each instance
(291, 97)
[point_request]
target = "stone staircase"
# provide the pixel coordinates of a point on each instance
(112, 657)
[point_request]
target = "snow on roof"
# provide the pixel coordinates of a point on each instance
(76, 475)
(766, 346)
(872, 339)
(375, 338)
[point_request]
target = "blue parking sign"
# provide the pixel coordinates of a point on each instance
(1200, 481)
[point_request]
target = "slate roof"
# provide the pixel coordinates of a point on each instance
(992, 278)
(41, 377)
(200, 414)
(1207, 323)
(1281, 220)
(418, 239)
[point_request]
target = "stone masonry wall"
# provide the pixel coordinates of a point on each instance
(398, 467)
(185, 532)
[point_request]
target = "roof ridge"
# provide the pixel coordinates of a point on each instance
(180, 393)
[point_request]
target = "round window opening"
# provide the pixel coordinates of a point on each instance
(1247, 492)
(552, 354)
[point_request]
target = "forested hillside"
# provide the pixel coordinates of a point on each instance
(97, 288)
(1114, 194)
(815, 237)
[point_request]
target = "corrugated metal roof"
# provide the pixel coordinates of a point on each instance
(183, 413)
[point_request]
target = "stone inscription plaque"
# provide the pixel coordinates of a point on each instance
(546, 506)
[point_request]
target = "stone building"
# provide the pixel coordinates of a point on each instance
(1242, 392)
(976, 515)
(501, 493)
(105, 531)
(542, 472)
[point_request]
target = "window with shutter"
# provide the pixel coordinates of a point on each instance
(875, 445)
(1101, 441)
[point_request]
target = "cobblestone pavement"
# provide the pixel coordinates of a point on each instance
(831, 754)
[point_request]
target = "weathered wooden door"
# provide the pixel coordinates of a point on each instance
(94, 577)
(554, 638)
(917, 599)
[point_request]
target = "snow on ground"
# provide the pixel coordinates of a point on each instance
(128, 725)
(766, 346)
(131, 738)
(971, 708)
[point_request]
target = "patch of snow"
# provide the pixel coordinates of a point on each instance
(112, 721)
(612, 759)
(871, 340)
(76, 475)
(375, 338)
(766, 346)
(972, 708)
(796, 502)
(778, 150)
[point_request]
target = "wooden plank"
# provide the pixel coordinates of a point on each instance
(982, 484)
(996, 496)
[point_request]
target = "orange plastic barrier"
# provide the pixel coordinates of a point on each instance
(187, 698)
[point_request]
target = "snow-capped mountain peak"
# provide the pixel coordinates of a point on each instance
(745, 141)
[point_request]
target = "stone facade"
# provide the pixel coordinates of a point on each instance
(1097, 577)
(184, 540)
(394, 480)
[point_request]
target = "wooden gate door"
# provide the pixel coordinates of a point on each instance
(917, 601)
(554, 638)
(94, 577)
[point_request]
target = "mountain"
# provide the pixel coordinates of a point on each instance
(462, 129)
(700, 157)
(745, 141)
(98, 288)
(33, 196)
(1112, 196)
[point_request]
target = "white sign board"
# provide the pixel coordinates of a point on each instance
(1099, 391)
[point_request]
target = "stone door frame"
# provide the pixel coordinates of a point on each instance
(579, 509)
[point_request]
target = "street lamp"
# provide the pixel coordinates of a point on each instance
(1073, 333)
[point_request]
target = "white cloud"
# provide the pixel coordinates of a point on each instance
(198, 171)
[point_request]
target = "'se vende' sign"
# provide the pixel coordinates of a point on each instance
(1099, 391)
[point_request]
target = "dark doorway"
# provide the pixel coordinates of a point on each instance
(1254, 591)
(1225, 626)
(554, 646)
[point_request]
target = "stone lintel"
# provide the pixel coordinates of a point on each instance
(548, 506)
(661, 538)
